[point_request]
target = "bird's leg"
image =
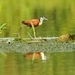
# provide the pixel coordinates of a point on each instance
(19, 32)
(33, 30)
(29, 29)
(29, 34)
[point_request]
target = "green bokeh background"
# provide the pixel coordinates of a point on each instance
(60, 14)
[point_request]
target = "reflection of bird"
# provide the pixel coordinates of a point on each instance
(37, 55)
(35, 22)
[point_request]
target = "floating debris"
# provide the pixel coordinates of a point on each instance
(66, 37)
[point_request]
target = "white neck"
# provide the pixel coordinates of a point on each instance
(41, 21)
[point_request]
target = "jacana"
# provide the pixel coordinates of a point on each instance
(35, 22)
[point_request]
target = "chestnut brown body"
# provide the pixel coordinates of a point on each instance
(35, 22)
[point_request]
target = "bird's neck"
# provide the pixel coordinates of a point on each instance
(41, 21)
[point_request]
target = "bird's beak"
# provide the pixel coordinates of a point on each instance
(45, 18)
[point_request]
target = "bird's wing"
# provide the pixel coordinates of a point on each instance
(35, 22)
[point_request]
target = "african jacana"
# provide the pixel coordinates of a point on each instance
(37, 55)
(35, 22)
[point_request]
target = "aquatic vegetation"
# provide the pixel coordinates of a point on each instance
(2, 27)
(66, 37)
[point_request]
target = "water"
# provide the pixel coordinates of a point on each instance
(56, 64)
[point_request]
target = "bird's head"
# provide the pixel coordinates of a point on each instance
(43, 18)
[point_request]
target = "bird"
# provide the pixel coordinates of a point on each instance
(35, 22)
